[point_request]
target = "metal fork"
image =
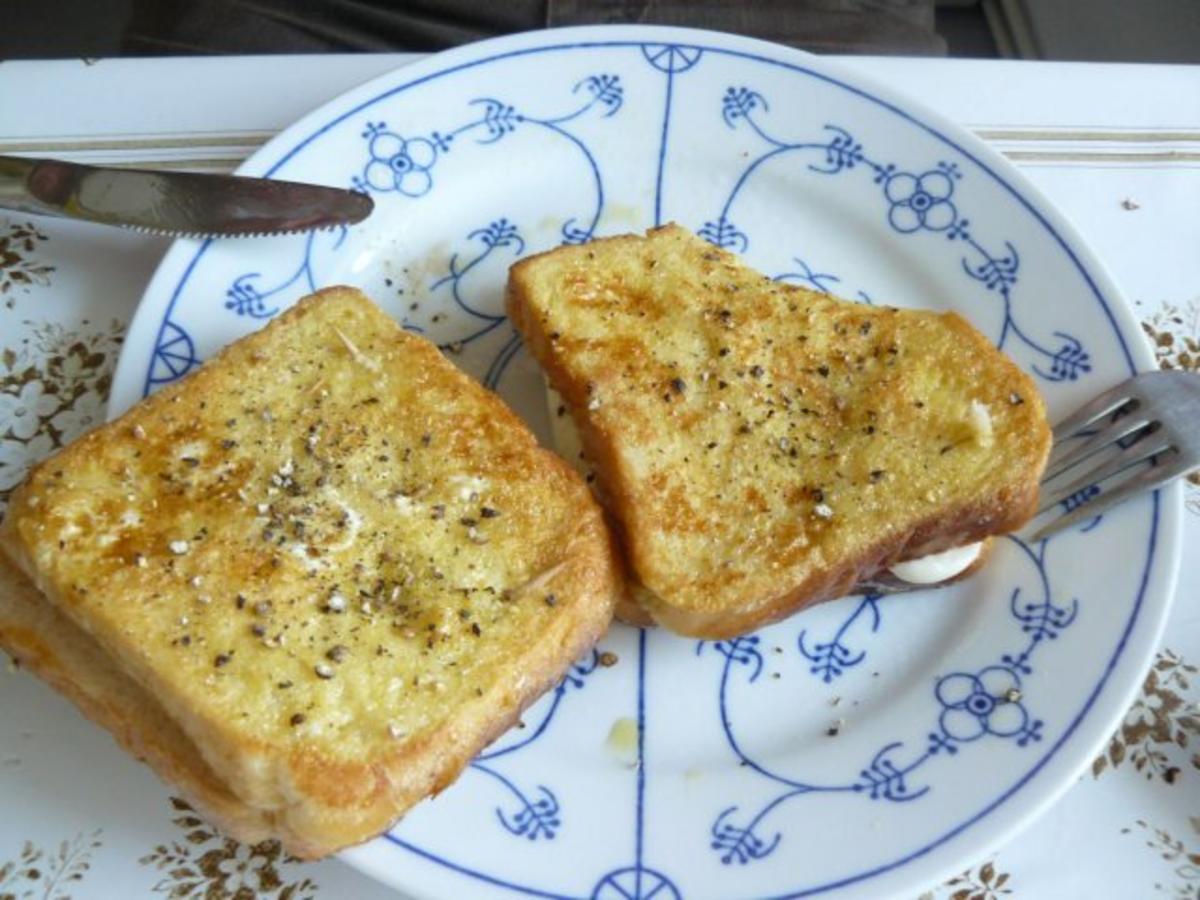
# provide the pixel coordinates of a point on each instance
(1151, 418)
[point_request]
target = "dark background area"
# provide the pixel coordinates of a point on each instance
(1099, 30)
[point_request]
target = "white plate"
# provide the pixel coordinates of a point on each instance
(730, 783)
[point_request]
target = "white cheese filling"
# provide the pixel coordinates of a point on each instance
(936, 566)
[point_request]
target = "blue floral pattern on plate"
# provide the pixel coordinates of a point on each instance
(518, 146)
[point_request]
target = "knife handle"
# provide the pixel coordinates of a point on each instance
(16, 175)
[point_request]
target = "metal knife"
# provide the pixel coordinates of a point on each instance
(180, 204)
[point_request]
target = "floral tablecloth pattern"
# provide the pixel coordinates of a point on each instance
(1129, 828)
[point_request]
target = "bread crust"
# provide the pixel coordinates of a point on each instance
(316, 793)
(49, 645)
(574, 307)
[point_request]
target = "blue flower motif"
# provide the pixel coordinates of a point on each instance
(400, 164)
(920, 201)
(975, 705)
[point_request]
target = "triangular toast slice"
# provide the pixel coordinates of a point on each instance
(761, 446)
(334, 565)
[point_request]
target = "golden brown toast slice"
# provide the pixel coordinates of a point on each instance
(337, 564)
(764, 447)
(568, 444)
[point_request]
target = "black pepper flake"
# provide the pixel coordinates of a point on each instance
(757, 371)
(608, 659)
(297, 719)
(818, 495)
(240, 601)
(190, 461)
(468, 521)
(437, 512)
(222, 659)
(475, 629)
(823, 371)
(724, 351)
(711, 444)
(722, 384)
(833, 731)
(554, 335)
(339, 653)
(870, 429)
(186, 640)
(228, 444)
(551, 600)
(426, 439)
(678, 385)
(258, 629)
(488, 513)
(876, 475)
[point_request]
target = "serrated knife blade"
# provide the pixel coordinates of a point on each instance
(179, 204)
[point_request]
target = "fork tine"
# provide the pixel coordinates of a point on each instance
(1143, 449)
(1145, 481)
(1065, 456)
(1096, 408)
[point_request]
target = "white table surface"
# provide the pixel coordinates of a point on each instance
(1117, 148)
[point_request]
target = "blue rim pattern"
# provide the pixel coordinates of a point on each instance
(671, 59)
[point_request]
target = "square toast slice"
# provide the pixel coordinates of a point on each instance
(763, 447)
(335, 564)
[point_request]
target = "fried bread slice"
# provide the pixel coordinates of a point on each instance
(940, 570)
(336, 563)
(763, 447)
